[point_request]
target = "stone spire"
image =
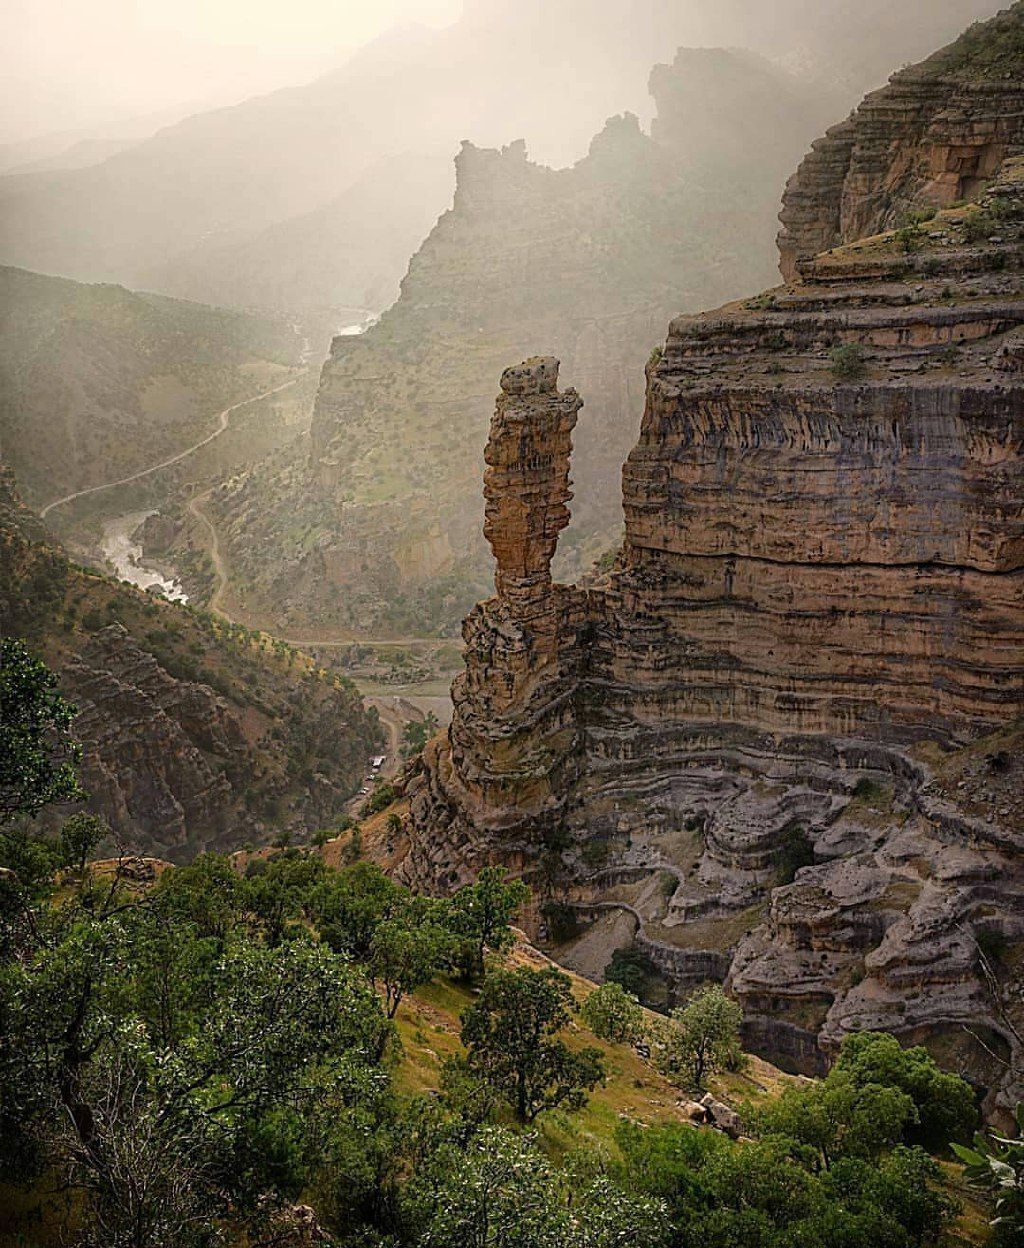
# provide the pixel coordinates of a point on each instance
(526, 485)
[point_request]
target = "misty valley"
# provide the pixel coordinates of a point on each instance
(512, 625)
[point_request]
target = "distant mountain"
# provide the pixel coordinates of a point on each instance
(373, 523)
(346, 255)
(188, 209)
(97, 382)
(88, 145)
(195, 734)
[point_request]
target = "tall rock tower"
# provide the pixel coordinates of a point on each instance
(784, 737)
(513, 749)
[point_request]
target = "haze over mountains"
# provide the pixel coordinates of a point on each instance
(370, 525)
(188, 211)
(97, 382)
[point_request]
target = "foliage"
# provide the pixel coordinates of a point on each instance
(409, 949)
(380, 799)
(482, 913)
(702, 1035)
(349, 905)
(633, 969)
(37, 755)
(847, 361)
(510, 1034)
(944, 1103)
(611, 1013)
(978, 226)
(839, 1118)
(174, 1076)
(79, 837)
(562, 920)
(417, 732)
(190, 1058)
(501, 1192)
(765, 1194)
(795, 852)
(996, 1165)
(908, 238)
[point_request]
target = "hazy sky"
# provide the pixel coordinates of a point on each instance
(69, 64)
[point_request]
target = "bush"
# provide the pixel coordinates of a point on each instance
(611, 1013)
(847, 361)
(944, 1103)
(632, 969)
(380, 799)
(978, 226)
(795, 851)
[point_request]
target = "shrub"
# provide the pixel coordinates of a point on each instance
(633, 969)
(611, 1013)
(847, 361)
(381, 797)
(978, 226)
(795, 851)
(944, 1103)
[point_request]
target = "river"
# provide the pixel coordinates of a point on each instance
(126, 556)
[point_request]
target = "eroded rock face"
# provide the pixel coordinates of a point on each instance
(376, 529)
(933, 137)
(788, 724)
(150, 741)
(513, 752)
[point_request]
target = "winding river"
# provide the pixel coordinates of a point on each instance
(125, 554)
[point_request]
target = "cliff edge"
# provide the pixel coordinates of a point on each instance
(782, 738)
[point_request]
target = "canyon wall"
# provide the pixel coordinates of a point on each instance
(371, 526)
(784, 734)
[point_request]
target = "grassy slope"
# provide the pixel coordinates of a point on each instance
(296, 717)
(428, 1023)
(97, 381)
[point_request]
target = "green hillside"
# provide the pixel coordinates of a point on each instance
(196, 734)
(98, 382)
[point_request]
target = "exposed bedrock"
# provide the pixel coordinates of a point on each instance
(786, 733)
(934, 137)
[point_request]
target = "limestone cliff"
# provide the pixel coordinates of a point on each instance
(784, 735)
(374, 526)
(933, 137)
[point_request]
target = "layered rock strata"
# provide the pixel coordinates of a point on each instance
(789, 722)
(933, 137)
(376, 530)
(194, 735)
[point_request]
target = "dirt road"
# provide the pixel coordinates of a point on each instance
(223, 421)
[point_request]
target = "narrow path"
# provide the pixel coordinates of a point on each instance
(223, 420)
(332, 644)
(195, 508)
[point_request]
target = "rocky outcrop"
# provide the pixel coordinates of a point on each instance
(152, 744)
(376, 528)
(933, 137)
(791, 716)
(195, 735)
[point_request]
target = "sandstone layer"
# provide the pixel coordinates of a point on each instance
(372, 524)
(933, 137)
(784, 734)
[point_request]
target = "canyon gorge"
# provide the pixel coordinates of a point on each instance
(783, 735)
